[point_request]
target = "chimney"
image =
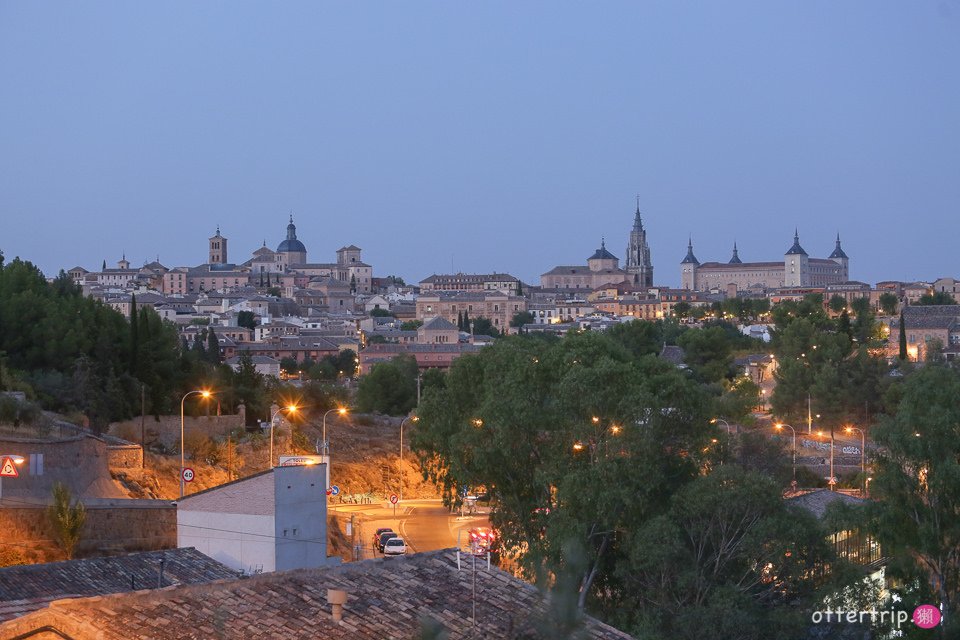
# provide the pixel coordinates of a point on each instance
(337, 599)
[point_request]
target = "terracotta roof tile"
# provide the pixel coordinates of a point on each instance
(386, 599)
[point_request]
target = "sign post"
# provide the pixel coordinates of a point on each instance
(394, 500)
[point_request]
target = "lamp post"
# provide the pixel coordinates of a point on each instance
(794, 433)
(831, 482)
(342, 411)
(863, 452)
(291, 408)
(205, 394)
(15, 459)
(725, 424)
(402, 422)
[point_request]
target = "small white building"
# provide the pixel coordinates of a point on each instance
(272, 521)
(265, 365)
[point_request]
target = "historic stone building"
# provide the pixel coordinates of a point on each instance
(639, 265)
(797, 269)
(603, 267)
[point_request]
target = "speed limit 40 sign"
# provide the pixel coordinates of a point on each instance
(188, 474)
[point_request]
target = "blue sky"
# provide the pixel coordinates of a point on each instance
(483, 136)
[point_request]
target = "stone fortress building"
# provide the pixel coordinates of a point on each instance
(797, 269)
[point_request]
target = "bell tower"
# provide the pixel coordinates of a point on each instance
(218, 249)
(638, 263)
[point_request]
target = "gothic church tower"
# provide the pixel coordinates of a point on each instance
(638, 263)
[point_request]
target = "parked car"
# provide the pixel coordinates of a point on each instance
(387, 535)
(395, 547)
(379, 532)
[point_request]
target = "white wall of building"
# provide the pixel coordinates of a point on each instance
(241, 541)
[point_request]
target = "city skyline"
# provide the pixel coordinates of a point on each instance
(504, 139)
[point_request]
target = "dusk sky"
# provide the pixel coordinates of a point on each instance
(493, 136)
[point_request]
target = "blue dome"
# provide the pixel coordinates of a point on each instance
(291, 245)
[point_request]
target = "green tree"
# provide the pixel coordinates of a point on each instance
(516, 418)
(682, 309)
(903, 338)
(390, 387)
(213, 347)
(837, 303)
(289, 365)
(134, 333)
(460, 320)
(483, 327)
(916, 483)
(521, 318)
(936, 298)
(466, 321)
(888, 303)
(639, 337)
(411, 325)
(66, 519)
(380, 313)
(519, 291)
(708, 353)
(247, 319)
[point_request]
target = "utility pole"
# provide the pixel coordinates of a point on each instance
(229, 456)
(143, 405)
(809, 416)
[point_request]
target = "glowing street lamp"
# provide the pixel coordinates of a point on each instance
(402, 422)
(780, 427)
(342, 411)
(204, 393)
(863, 451)
(290, 409)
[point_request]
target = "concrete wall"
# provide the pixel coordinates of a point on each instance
(81, 462)
(111, 526)
(301, 516)
(241, 541)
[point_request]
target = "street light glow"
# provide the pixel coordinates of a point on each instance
(615, 429)
(342, 411)
(578, 446)
(477, 422)
(595, 419)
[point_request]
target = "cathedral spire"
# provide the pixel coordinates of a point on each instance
(690, 259)
(637, 220)
(736, 256)
(838, 251)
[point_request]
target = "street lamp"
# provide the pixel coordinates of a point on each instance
(779, 427)
(414, 419)
(203, 393)
(863, 452)
(725, 424)
(15, 459)
(340, 410)
(832, 481)
(291, 408)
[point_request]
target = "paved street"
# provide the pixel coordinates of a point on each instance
(425, 525)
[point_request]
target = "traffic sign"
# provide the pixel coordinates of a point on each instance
(188, 474)
(330, 491)
(8, 469)
(335, 490)
(394, 499)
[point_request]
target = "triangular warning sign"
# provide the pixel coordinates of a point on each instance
(8, 469)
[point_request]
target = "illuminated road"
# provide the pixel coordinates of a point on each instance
(425, 525)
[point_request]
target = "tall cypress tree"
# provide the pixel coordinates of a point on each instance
(460, 320)
(466, 321)
(213, 346)
(519, 288)
(903, 338)
(134, 335)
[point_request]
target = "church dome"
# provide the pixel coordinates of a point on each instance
(291, 244)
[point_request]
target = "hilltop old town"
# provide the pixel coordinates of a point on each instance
(479, 321)
(225, 449)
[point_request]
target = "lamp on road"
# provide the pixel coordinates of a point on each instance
(340, 410)
(725, 424)
(402, 422)
(781, 426)
(863, 453)
(290, 409)
(204, 394)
